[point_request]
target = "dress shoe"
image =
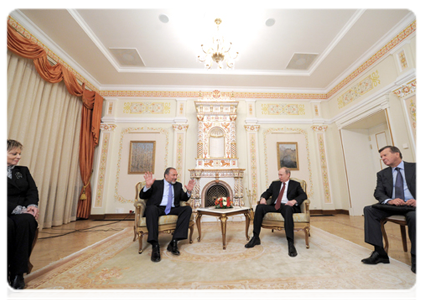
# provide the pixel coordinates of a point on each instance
(155, 255)
(18, 282)
(291, 249)
(375, 258)
(173, 247)
(413, 264)
(254, 241)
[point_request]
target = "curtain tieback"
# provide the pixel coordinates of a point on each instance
(83, 195)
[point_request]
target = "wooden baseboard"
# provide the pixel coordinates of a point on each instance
(107, 217)
(318, 212)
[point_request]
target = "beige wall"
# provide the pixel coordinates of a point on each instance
(321, 154)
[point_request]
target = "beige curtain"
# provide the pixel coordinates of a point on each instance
(46, 119)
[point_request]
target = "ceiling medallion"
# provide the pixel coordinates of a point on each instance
(218, 52)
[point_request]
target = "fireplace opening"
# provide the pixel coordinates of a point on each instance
(213, 193)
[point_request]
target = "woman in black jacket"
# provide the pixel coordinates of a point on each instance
(22, 215)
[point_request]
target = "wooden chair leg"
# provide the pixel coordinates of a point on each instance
(404, 238)
(385, 237)
(135, 234)
(140, 243)
(307, 234)
(191, 231)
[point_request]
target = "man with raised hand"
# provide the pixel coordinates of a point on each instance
(163, 198)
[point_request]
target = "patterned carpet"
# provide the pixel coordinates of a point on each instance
(330, 263)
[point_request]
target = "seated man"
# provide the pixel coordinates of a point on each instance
(396, 197)
(287, 196)
(163, 197)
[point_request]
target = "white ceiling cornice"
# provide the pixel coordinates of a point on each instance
(208, 88)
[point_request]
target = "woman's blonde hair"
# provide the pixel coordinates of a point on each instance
(12, 144)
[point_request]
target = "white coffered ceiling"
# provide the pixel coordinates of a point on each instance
(89, 39)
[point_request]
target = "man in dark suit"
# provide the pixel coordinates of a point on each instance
(163, 198)
(287, 196)
(397, 197)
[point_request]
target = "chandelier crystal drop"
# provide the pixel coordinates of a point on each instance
(218, 52)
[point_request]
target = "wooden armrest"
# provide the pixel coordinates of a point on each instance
(186, 203)
(140, 207)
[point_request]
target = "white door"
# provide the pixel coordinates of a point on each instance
(361, 173)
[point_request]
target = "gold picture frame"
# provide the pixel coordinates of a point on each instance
(142, 156)
(288, 155)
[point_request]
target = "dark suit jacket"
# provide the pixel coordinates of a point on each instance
(154, 195)
(295, 191)
(21, 189)
(385, 182)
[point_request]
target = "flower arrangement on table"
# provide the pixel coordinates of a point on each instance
(223, 202)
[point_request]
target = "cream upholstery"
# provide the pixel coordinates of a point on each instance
(301, 220)
(166, 223)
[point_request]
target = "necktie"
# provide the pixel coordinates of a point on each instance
(169, 200)
(278, 201)
(399, 185)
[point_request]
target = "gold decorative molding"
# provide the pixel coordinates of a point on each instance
(110, 108)
(146, 108)
(359, 89)
(319, 128)
(252, 128)
(283, 109)
(324, 167)
(180, 127)
(410, 104)
(107, 127)
(102, 170)
(403, 60)
(406, 89)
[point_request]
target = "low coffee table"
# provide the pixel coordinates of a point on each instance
(223, 215)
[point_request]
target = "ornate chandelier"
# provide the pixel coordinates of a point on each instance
(218, 52)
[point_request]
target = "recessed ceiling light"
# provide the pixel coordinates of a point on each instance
(164, 18)
(270, 22)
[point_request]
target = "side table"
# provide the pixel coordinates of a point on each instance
(223, 215)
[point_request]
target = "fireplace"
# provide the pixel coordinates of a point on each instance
(214, 190)
(216, 172)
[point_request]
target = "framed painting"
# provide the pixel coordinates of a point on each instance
(141, 157)
(288, 155)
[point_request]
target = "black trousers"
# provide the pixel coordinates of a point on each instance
(152, 214)
(373, 232)
(20, 236)
(286, 211)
